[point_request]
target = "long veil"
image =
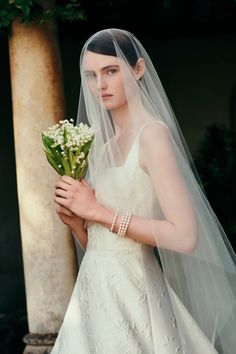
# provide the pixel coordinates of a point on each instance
(201, 283)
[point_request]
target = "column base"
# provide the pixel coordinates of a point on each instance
(39, 343)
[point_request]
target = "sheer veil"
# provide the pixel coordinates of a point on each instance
(202, 282)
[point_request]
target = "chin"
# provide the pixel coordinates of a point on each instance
(110, 106)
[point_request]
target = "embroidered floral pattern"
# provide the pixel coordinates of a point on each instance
(119, 304)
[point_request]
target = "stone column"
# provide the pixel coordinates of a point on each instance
(50, 264)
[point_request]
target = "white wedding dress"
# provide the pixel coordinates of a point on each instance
(120, 303)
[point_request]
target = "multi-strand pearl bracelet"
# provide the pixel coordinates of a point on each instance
(114, 220)
(124, 223)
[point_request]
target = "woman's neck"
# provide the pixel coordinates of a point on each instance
(128, 118)
(122, 120)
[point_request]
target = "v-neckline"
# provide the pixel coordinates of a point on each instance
(128, 155)
(132, 147)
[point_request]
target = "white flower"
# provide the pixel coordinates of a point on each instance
(66, 141)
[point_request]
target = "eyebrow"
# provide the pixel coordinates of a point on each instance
(104, 68)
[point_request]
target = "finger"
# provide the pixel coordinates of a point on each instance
(79, 184)
(61, 193)
(68, 179)
(61, 201)
(62, 185)
(85, 183)
(65, 211)
(58, 209)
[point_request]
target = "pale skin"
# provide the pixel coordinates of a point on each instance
(76, 200)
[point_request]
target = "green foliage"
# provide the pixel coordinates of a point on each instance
(31, 10)
(70, 11)
(66, 148)
(52, 157)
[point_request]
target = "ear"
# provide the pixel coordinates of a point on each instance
(139, 68)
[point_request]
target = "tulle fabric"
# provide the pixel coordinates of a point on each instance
(201, 283)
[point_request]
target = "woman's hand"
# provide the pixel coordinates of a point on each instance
(75, 223)
(68, 218)
(76, 197)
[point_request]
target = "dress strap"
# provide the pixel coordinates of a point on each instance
(135, 146)
(150, 122)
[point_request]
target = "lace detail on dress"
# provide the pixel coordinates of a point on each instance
(120, 303)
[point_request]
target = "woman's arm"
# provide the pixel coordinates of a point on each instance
(80, 233)
(178, 231)
(75, 223)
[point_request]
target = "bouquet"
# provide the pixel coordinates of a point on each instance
(67, 147)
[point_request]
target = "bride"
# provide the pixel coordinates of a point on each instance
(158, 274)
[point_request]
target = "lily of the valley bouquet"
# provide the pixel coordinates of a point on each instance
(67, 147)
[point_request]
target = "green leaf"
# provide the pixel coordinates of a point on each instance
(86, 147)
(54, 164)
(55, 153)
(72, 158)
(47, 142)
(65, 135)
(83, 170)
(66, 166)
(3, 13)
(35, 11)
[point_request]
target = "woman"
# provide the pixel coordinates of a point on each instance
(141, 194)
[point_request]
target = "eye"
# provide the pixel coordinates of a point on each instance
(112, 71)
(89, 76)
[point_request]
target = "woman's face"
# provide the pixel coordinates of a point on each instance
(104, 79)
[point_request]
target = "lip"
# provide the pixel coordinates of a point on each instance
(106, 96)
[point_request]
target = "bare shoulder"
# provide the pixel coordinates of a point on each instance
(154, 132)
(154, 143)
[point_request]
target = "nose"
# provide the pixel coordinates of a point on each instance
(101, 83)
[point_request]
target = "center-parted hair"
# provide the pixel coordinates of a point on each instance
(103, 43)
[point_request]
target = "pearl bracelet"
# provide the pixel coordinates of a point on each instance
(114, 220)
(124, 224)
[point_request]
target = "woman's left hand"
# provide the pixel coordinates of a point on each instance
(76, 196)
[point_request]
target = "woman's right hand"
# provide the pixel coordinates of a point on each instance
(75, 223)
(68, 218)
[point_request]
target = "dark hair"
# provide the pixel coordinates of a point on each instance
(103, 43)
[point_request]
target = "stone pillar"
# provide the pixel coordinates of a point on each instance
(50, 264)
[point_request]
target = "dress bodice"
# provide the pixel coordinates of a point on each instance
(127, 185)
